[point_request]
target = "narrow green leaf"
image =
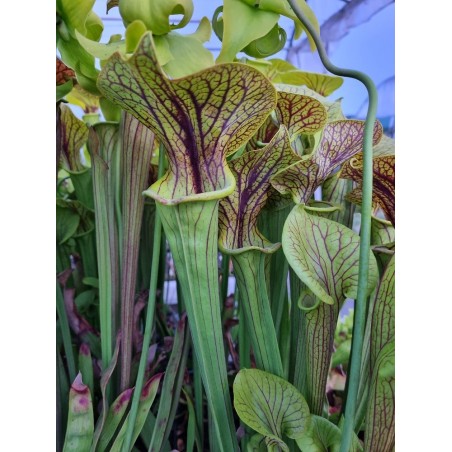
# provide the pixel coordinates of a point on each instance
(104, 380)
(146, 399)
(80, 424)
(271, 406)
(85, 365)
(193, 435)
(115, 414)
(171, 388)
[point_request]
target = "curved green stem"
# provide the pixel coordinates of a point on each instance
(149, 319)
(360, 307)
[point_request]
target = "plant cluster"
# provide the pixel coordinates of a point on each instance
(241, 166)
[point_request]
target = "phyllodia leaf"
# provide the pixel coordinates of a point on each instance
(324, 254)
(271, 406)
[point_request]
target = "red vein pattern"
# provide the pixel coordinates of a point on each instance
(73, 135)
(324, 254)
(383, 194)
(239, 211)
(63, 73)
(300, 114)
(200, 118)
(340, 141)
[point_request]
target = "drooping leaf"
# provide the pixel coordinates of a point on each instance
(239, 211)
(80, 423)
(188, 118)
(157, 14)
(85, 365)
(104, 380)
(271, 406)
(324, 255)
(171, 388)
(383, 194)
(74, 134)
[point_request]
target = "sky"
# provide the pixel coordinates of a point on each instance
(368, 48)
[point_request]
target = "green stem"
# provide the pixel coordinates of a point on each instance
(65, 333)
(149, 320)
(249, 268)
(366, 209)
